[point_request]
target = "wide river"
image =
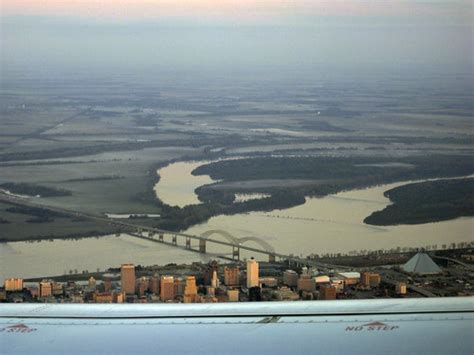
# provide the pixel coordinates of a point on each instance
(332, 224)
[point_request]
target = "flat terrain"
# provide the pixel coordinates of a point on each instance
(101, 140)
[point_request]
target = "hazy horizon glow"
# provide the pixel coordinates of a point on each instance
(454, 10)
(229, 35)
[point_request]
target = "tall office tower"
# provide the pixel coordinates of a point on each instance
(190, 290)
(45, 288)
(13, 284)
(154, 284)
(128, 278)
(142, 286)
(252, 273)
(214, 280)
(167, 288)
(208, 272)
(179, 285)
(231, 276)
(92, 283)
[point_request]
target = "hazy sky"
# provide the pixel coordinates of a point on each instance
(349, 35)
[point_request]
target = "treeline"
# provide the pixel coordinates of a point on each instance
(176, 219)
(36, 212)
(427, 202)
(34, 190)
(198, 140)
(331, 168)
(333, 175)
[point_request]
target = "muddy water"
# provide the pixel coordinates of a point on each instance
(177, 184)
(50, 258)
(330, 224)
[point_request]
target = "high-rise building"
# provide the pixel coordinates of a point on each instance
(179, 285)
(45, 288)
(365, 279)
(209, 271)
(290, 278)
(190, 289)
(128, 278)
(92, 283)
(252, 273)
(142, 286)
(167, 288)
(214, 280)
(13, 284)
(154, 285)
(231, 276)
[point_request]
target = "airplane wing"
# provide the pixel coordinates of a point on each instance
(381, 326)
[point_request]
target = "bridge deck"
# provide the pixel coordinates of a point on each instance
(21, 201)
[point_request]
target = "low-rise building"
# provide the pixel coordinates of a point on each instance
(327, 293)
(401, 288)
(233, 295)
(103, 297)
(268, 281)
(290, 278)
(306, 283)
(350, 278)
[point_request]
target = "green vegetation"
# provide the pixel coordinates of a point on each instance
(335, 169)
(36, 212)
(34, 190)
(426, 202)
(330, 175)
(25, 223)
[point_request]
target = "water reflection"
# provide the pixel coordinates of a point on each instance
(49, 258)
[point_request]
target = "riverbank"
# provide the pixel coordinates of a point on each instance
(426, 202)
(321, 176)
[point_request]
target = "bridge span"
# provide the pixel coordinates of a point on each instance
(172, 238)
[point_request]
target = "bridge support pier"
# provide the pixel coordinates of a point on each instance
(188, 243)
(160, 238)
(271, 258)
(236, 253)
(174, 240)
(202, 246)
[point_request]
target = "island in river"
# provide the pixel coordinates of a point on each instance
(425, 202)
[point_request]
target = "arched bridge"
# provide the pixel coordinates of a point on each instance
(237, 243)
(163, 236)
